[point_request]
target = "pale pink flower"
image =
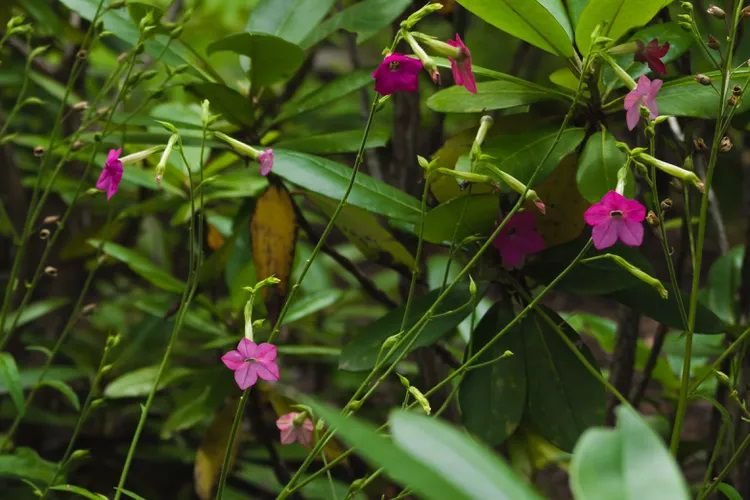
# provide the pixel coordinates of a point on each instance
(643, 94)
(109, 179)
(518, 239)
(397, 73)
(461, 68)
(266, 162)
(251, 361)
(291, 432)
(616, 217)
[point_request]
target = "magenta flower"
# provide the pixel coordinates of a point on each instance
(109, 179)
(643, 94)
(266, 162)
(397, 73)
(291, 431)
(651, 54)
(252, 361)
(518, 239)
(616, 217)
(461, 68)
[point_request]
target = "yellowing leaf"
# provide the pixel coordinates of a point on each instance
(214, 239)
(563, 221)
(210, 454)
(273, 230)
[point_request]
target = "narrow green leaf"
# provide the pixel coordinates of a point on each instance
(36, 310)
(347, 141)
(500, 94)
(364, 18)
(138, 382)
(79, 491)
(65, 390)
(291, 20)
(11, 379)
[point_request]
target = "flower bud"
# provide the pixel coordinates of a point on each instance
(404, 381)
(81, 106)
(723, 378)
(725, 145)
(713, 43)
(737, 90)
(673, 170)
(44, 234)
(715, 11)
(82, 54)
(162, 165)
(78, 144)
(51, 219)
(39, 151)
(50, 271)
(699, 144)
(88, 309)
(733, 100)
(666, 204)
(702, 79)
(652, 219)
(421, 399)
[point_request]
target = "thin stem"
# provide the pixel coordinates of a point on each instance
(718, 361)
(417, 256)
(727, 468)
(230, 443)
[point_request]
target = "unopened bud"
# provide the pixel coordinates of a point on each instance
(687, 6)
(88, 309)
(723, 378)
(78, 144)
(44, 234)
(699, 144)
(50, 271)
(715, 11)
(733, 100)
(81, 106)
(737, 90)
(404, 381)
(725, 145)
(39, 151)
(51, 219)
(713, 43)
(354, 405)
(666, 204)
(421, 399)
(652, 219)
(702, 79)
(82, 54)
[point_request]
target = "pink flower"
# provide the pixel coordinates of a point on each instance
(461, 68)
(109, 179)
(266, 162)
(397, 73)
(652, 54)
(518, 239)
(291, 432)
(252, 361)
(643, 94)
(616, 217)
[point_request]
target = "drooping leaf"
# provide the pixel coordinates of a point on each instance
(273, 230)
(364, 18)
(493, 396)
(11, 379)
(598, 166)
(724, 278)
(34, 311)
(461, 217)
(291, 20)
(25, 463)
(65, 390)
(490, 96)
(543, 23)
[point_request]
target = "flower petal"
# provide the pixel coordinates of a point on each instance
(265, 352)
(245, 376)
(233, 360)
(605, 234)
(630, 233)
(512, 256)
(247, 348)
(596, 214)
(267, 371)
(632, 116)
(633, 210)
(288, 435)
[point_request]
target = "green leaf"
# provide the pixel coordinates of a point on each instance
(233, 106)
(347, 141)
(291, 20)
(79, 491)
(326, 177)
(685, 97)
(598, 166)
(35, 311)
(65, 390)
(575, 7)
(563, 398)
(311, 304)
(188, 415)
(477, 215)
(493, 397)
(12, 379)
(400, 465)
(543, 23)
(616, 18)
(138, 382)
(364, 18)
(724, 279)
(729, 491)
(500, 94)
(624, 463)
(473, 469)
(362, 350)
(25, 463)
(520, 154)
(272, 58)
(141, 266)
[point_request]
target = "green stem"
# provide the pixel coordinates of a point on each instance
(736, 456)
(230, 443)
(718, 361)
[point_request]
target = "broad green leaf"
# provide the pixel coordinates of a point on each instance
(519, 154)
(471, 468)
(232, 105)
(493, 396)
(500, 94)
(326, 177)
(627, 462)
(364, 18)
(140, 265)
(575, 7)
(11, 379)
(47, 20)
(543, 23)
(79, 491)
(397, 462)
(563, 398)
(272, 58)
(188, 415)
(362, 350)
(461, 217)
(729, 491)
(325, 94)
(598, 166)
(347, 141)
(65, 390)
(616, 17)
(291, 20)
(25, 463)
(138, 382)
(311, 304)
(685, 97)
(724, 279)
(35, 311)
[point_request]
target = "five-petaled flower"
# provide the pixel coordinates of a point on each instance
(265, 159)
(292, 431)
(518, 239)
(397, 73)
(109, 179)
(643, 94)
(616, 217)
(651, 54)
(461, 67)
(251, 361)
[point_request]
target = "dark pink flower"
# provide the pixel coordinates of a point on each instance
(291, 432)
(518, 239)
(461, 68)
(651, 54)
(109, 179)
(616, 217)
(266, 162)
(643, 94)
(251, 361)
(397, 73)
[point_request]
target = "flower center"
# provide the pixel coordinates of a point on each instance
(393, 65)
(250, 360)
(615, 213)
